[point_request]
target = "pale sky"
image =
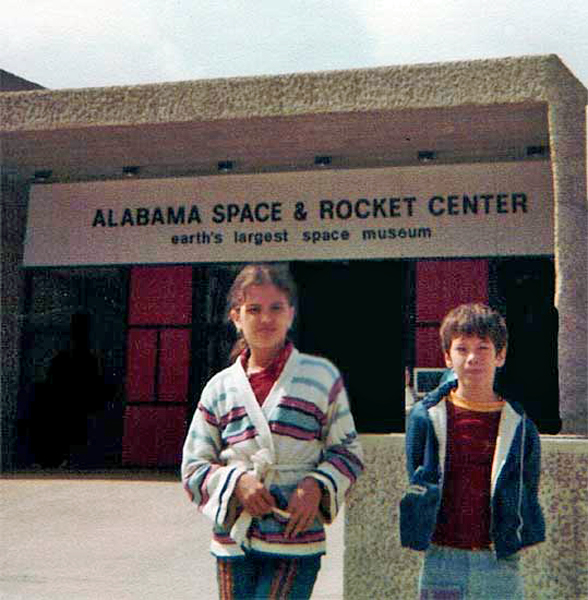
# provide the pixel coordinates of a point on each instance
(93, 43)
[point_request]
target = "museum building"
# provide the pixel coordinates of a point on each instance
(393, 193)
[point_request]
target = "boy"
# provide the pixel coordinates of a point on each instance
(473, 461)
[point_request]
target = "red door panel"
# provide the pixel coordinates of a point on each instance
(174, 365)
(158, 365)
(440, 286)
(141, 364)
(161, 296)
(153, 435)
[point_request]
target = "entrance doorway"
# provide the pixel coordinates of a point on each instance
(352, 313)
(530, 376)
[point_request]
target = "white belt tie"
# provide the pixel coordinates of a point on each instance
(262, 463)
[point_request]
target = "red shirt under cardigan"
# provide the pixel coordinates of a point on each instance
(263, 381)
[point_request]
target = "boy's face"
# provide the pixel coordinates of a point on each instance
(474, 360)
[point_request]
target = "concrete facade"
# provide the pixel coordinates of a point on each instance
(375, 566)
(470, 111)
(360, 117)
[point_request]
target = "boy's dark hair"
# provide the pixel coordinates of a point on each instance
(474, 319)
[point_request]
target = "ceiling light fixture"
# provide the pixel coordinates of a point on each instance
(426, 156)
(323, 160)
(537, 151)
(131, 171)
(42, 175)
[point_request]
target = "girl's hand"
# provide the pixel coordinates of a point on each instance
(253, 496)
(303, 507)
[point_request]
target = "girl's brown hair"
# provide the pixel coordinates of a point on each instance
(258, 274)
(474, 319)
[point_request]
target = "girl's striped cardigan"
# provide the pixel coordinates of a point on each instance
(304, 428)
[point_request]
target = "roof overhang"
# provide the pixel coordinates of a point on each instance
(465, 111)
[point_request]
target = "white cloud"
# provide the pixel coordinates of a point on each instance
(77, 43)
(61, 43)
(436, 31)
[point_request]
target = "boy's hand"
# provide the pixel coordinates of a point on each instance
(303, 507)
(253, 496)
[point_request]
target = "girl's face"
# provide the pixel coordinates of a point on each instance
(264, 317)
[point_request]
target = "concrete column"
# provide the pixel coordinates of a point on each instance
(13, 223)
(567, 129)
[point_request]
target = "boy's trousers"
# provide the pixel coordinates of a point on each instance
(454, 574)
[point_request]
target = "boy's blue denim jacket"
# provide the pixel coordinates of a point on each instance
(517, 519)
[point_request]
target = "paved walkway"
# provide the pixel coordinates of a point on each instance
(115, 537)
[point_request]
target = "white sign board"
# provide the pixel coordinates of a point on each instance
(498, 209)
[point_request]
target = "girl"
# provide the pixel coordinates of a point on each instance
(272, 449)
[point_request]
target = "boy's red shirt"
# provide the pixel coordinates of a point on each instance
(465, 514)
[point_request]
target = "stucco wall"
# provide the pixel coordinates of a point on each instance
(376, 567)
(517, 80)
(567, 128)
(492, 81)
(13, 218)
